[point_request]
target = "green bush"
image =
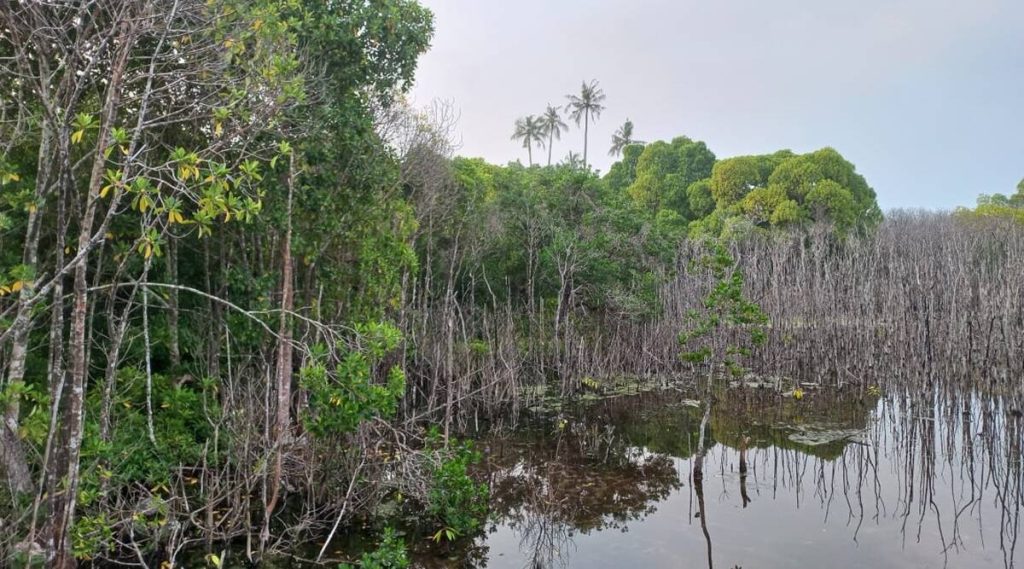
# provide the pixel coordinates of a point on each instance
(345, 395)
(390, 554)
(456, 502)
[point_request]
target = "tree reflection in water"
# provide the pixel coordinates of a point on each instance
(936, 467)
(582, 479)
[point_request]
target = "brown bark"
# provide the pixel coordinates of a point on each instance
(174, 344)
(15, 465)
(64, 490)
(282, 421)
(12, 455)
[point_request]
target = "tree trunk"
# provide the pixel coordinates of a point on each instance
(65, 489)
(282, 422)
(174, 343)
(116, 330)
(586, 131)
(214, 274)
(12, 455)
(15, 465)
(551, 141)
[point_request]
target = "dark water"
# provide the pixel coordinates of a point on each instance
(850, 480)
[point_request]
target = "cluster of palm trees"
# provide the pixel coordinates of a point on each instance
(544, 129)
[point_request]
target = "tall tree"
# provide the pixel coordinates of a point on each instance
(585, 105)
(622, 138)
(553, 125)
(530, 130)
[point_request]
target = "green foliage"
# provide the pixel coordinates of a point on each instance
(787, 212)
(725, 306)
(91, 535)
(700, 198)
(586, 107)
(286, 140)
(760, 204)
(180, 424)
(734, 178)
(344, 393)
(664, 171)
(622, 138)
(390, 554)
(830, 201)
(622, 173)
(455, 502)
(522, 226)
(35, 423)
(828, 188)
(735, 197)
(665, 234)
(996, 207)
(365, 45)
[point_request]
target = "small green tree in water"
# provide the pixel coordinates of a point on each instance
(390, 554)
(456, 502)
(725, 308)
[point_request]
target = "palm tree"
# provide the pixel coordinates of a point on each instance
(530, 130)
(573, 161)
(585, 105)
(553, 125)
(622, 138)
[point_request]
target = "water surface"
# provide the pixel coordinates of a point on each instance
(847, 480)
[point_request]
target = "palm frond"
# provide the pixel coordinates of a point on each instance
(588, 102)
(552, 123)
(622, 138)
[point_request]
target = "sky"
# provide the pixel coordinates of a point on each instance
(925, 97)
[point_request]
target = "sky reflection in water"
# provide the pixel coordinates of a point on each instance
(831, 482)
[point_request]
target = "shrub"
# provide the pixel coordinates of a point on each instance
(390, 554)
(455, 501)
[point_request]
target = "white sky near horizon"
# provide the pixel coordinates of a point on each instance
(925, 97)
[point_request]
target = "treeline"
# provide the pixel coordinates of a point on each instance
(535, 274)
(557, 274)
(997, 206)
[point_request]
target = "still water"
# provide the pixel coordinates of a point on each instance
(829, 480)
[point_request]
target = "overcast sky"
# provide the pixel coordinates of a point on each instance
(925, 97)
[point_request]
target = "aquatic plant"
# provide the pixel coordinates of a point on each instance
(390, 554)
(456, 502)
